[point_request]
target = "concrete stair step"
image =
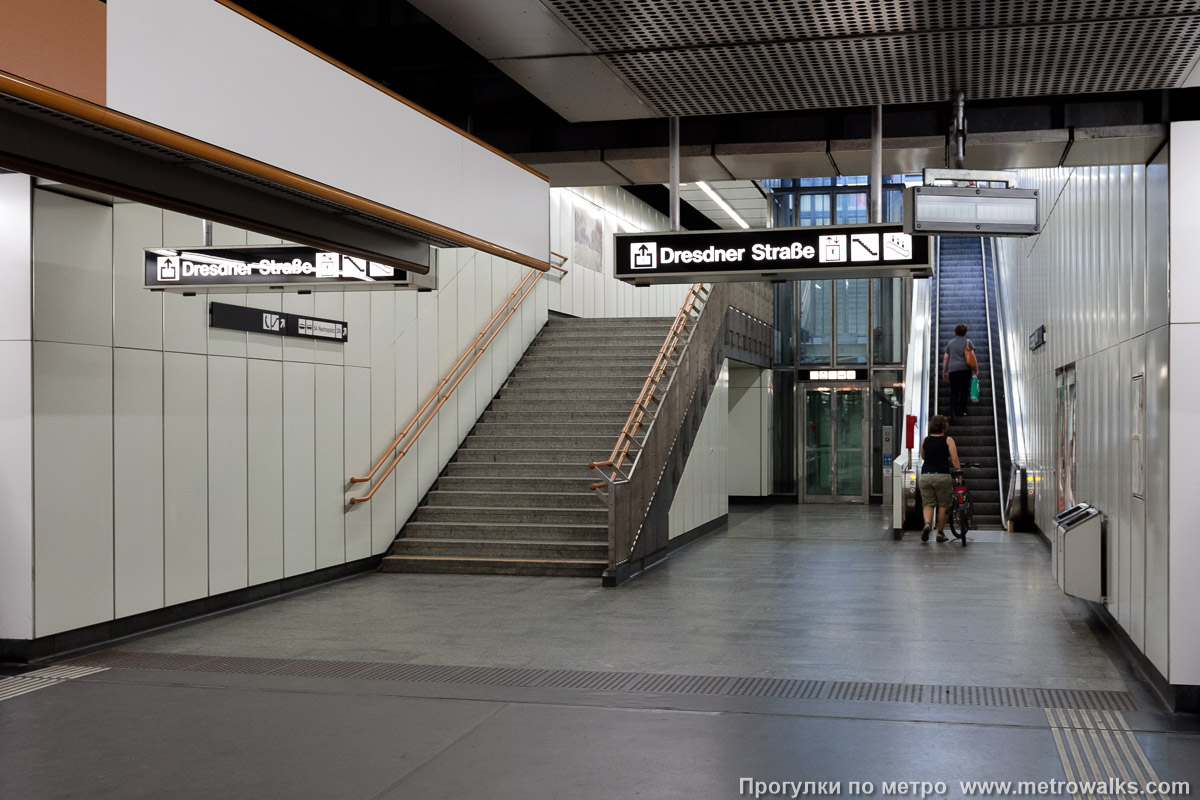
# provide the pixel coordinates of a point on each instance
(550, 516)
(497, 531)
(475, 442)
(556, 567)
(522, 429)
(502, 483)
(581, 370)
(607, 383)
(604, 322)
(542, 359)
(646, 335)
(594, 407)
(475, 498)
(515, 455)
(523, 470)
(554, 417)
(504, 548)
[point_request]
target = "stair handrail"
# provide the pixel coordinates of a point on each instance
(531, 278)
(987, 310)
(692, 306)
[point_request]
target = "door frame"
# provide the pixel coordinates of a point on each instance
(802, 388)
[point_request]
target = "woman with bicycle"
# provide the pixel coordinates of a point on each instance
(938, 456)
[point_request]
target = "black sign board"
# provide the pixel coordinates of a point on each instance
(256, 320)
(838, 251)
(1037, 338)
(238, 269)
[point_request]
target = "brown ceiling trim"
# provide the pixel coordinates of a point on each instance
(103, 116)
(373, 84)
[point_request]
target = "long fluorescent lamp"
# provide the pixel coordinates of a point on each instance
(720, 201)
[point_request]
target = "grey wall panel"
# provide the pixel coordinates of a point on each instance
(1157, 247)
(1125, 226)
(1137, 286)
(383, 428)
(264, 461)
(185, 443)
(73, 476)
(227, 477)
(72, 272)
(357, 308)
(262, 345)
(1137, 528)
(358, 458)
(1158, 444)
(185, 319)
(137, 312)
(1125, 485)
(405, 482)
(299, 468)
(329, 305)
(138, 480)
(227, 235)
(295, 349)
(221, 341)
(16, 257)
(330, 458)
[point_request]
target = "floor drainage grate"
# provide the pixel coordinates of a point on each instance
(593, 680)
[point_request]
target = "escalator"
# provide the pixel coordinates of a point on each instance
(964, 292)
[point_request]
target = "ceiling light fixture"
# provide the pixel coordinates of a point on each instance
(720, 201)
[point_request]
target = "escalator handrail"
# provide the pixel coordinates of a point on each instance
(987, 310)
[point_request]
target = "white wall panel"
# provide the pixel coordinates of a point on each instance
(1158, 449)
(295, 349)
(299, 468)
(1184, 543)
(696, 498)
(72, 274)
(138, 480)
(1157, 247)
(73, 473)
(185, 447)
(137, 313)
(264, 345)
(222, 341)
(383, 420)
(185, 319)
(358, 458)
(329, 305)
(16, 489)
(357, 307)
(330, 458)
(16, 257)
(227, 478)
(403, 159)
(264, 462)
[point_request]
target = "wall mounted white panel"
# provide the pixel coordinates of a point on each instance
(264, 345)
(227, 475)
(72, 270)
(264, 463)
(73, 467)
(1184, 544)
(16, 257)
(329, 305)
(359, 457)
(1184, 206)
(357, 308)
(185, 476)
(138, 480)
(185, 319)
(696, 502)
(16, 490)
(299, 469)
(296, 349)
(1158, 251)
(330, 458)
(402, 159)
(222, 341)
(1158, 500)
(137, 313)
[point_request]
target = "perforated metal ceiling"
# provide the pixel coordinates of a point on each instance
(695, 57)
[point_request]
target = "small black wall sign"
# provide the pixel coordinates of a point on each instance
(1037, 338)
(276, 323)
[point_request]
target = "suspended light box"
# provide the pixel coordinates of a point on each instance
(971, 211)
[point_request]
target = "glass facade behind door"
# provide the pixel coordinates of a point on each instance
(835, 444)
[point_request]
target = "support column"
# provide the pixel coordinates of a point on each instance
(673, 159)
(877, 164)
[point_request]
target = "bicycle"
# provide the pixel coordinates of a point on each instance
(962, 508)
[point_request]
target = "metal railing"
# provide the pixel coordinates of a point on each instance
(987, 310)
(667, 403)
(649, 399)
(404, 441)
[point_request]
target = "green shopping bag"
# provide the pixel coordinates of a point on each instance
(974, 388)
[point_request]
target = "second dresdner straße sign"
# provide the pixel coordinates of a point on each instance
(846, 251)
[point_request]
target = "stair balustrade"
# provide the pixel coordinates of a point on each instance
(640, 474)
(407, 436)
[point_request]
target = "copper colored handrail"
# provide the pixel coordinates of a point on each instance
(478, 350)
(626, 438)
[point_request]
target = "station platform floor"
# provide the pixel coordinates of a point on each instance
(797, 644)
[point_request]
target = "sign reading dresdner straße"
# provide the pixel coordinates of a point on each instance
(845, 251)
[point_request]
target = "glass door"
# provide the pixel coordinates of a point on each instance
(835, 445)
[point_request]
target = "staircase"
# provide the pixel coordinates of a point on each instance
(514, 500)
(960, 295)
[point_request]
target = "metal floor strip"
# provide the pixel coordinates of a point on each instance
(594, 680)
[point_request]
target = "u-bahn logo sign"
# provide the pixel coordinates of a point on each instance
(847, 251)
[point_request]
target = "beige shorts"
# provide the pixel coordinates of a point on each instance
(937, 489)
